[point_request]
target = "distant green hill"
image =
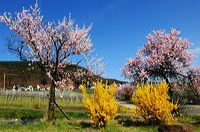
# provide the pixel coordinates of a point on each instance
(23, 73)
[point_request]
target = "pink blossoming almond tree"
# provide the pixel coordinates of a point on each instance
(164, 56)
(52, 46)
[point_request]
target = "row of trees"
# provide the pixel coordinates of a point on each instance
(53, 46)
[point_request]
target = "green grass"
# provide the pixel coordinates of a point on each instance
(191, 120)
(17, 113)
(79, 121)
(40, 103)
(89, 91)
(13, 107)
(63, 125)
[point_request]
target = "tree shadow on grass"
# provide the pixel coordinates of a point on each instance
(80, 124)
(86, 124)
(196, 123)
(193, 120)
(131, 121)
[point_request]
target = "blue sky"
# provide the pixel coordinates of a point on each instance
(119, 26)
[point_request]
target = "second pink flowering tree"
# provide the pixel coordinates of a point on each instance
(164, 56)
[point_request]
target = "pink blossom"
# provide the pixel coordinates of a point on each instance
(164, 55)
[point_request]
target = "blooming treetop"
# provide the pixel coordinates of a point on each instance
(51, 44)
(164, 55)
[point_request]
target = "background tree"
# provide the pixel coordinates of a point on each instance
(52, 46)
(15, 46)
(164, 56)
(43, 80)
(194, 76)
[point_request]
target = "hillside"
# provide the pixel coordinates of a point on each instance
(24, 74)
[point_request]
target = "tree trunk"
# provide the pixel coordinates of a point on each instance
(51, 106)
(170, 87)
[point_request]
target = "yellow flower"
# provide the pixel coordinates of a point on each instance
(101, 105)
(153, 104)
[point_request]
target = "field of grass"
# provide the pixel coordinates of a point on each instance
(14, 109)
(89, 91)
(39, 103)
(62, 125)
(79, 121)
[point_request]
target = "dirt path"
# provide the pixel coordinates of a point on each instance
(126, 104)
(194, 109)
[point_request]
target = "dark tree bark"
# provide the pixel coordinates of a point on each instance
(169, 85)
(51, 106)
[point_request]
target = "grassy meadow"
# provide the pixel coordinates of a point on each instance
(14, 109)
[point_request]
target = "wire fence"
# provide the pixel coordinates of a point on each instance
(41, 94)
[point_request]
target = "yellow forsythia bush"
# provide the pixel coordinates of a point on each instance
(101, 105)
(153, 103)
